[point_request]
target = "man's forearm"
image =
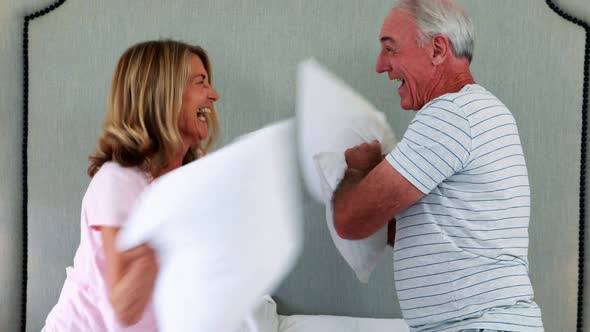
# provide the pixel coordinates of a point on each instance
(347, 223)
(351, 178)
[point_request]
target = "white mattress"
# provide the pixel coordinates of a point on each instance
(266, 319)
(320, 323)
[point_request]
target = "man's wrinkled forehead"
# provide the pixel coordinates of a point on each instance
(397, 22)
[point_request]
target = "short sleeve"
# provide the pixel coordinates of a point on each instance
(111, 194)
(436, 145)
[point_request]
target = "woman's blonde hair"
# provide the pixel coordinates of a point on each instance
(141, 124)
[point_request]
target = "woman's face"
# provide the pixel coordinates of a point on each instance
(197, 100)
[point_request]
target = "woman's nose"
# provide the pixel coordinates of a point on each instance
(213, 95)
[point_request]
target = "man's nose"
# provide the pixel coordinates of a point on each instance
(381, 66)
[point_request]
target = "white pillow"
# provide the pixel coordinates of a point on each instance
(361, 255)
(226, 230)
(331, 118)
(263, 319)
(319, 323)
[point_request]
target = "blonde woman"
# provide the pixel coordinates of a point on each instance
(161, 115)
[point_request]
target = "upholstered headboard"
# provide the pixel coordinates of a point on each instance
(533, 59)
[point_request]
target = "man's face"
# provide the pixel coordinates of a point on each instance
(404, 60)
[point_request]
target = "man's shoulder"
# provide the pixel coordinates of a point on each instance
(442, 107)
(470, 100)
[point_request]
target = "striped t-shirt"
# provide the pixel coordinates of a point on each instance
(460, 255)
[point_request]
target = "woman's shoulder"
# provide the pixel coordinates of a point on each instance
(111, 193)
(114, 168)
(115, 176)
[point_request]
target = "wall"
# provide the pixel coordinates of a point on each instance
(527, 55)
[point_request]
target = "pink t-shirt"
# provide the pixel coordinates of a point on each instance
(83, 305)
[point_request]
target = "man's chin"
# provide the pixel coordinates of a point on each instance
(410, 107)
(406, 107)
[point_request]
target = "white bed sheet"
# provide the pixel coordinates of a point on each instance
(266, 319)
(323, 323)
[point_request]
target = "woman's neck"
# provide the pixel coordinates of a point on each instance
(173, 163)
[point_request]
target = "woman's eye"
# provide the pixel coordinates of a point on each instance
(200, 79)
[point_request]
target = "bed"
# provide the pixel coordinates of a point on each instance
(266, 319)
(70, 51)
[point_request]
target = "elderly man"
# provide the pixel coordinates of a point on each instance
(454, 192)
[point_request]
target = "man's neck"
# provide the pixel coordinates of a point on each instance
(452, 79)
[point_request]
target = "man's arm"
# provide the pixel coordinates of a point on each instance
(369, 196)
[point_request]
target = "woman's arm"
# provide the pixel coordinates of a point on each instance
(131, 276)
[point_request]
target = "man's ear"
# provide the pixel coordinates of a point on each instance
(441, 49)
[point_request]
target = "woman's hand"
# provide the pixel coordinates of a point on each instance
(131, 277)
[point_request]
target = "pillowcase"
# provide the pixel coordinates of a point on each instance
(226, 230)
(320, 323)
(332, 118)
(361, 255)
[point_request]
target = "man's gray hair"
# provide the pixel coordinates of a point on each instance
(442, 17)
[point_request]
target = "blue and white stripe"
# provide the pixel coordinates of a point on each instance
(461, 251)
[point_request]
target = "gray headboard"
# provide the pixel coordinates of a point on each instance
(533, 59)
